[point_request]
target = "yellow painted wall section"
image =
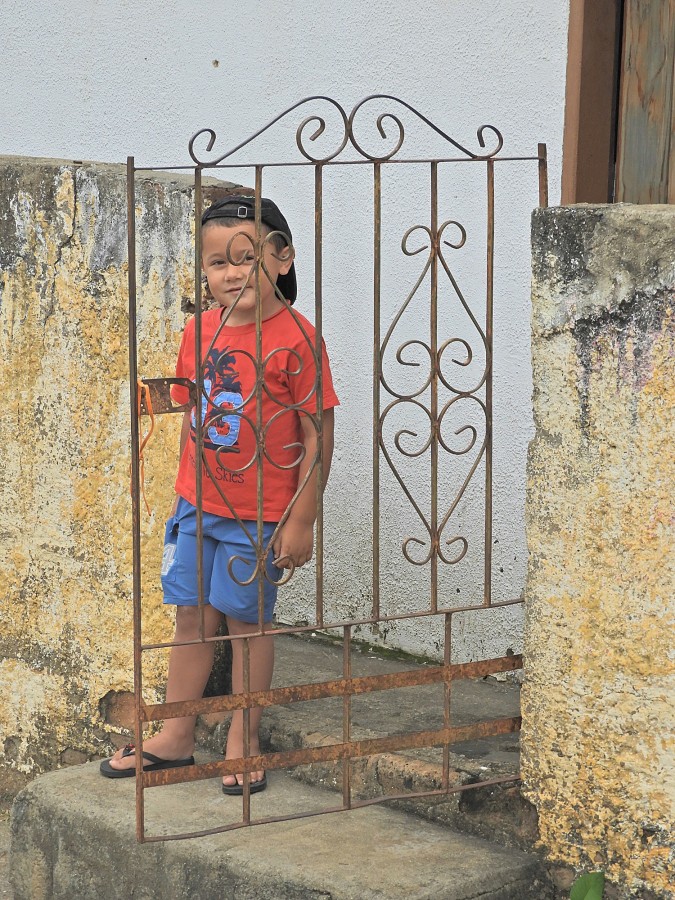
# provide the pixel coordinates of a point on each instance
(66, 566)
(598, 737)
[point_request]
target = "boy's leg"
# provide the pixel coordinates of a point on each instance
(189, 669)
(261, 659)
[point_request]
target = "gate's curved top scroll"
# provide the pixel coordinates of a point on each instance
(348, 135)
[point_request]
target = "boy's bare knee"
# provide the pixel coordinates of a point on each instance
(236, 626)
(187, 622)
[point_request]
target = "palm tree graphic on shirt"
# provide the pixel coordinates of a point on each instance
(220, 413)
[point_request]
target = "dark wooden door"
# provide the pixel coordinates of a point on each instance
(645, 166)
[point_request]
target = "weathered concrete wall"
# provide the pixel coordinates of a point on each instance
(66, 621)
(599, 696)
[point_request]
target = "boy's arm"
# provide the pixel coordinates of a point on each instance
(295, 540)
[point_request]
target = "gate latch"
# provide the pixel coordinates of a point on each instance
(160, 395)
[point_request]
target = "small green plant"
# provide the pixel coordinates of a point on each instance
(590, 886)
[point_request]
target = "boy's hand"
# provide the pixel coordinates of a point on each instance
(293, 545)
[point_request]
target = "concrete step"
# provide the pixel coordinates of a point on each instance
(498, 813)
(73, 836)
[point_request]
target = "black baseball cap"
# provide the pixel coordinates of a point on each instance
(241, 206)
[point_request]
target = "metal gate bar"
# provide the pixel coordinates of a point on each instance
(321, 690)
(347, 686)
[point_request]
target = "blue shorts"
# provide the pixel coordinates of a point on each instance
(223, 539)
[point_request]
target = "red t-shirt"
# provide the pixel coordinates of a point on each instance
(231, 446)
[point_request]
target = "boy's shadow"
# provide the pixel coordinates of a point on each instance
(220, 679)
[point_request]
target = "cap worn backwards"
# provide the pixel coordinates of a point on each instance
(243, 207)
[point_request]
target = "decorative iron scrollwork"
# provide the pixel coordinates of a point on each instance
(434, 542)
(346, 135)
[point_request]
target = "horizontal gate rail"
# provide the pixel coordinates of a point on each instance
(331, 752)
(339, 687)
(355, 804)
(346, 162)
(369, 620)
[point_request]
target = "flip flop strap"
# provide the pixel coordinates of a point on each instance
(129, 749)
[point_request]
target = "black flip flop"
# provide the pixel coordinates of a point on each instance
(154, 764)
(236, 790)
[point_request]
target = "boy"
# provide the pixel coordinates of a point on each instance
(232, 455)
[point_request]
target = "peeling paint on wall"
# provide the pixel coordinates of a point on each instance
(599, 695)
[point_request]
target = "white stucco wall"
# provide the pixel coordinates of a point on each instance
(101, 80)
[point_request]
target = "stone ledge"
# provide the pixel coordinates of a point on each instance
(73, 836)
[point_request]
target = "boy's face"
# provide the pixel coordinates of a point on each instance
(228, 257)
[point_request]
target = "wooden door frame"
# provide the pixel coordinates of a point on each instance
(591, 101)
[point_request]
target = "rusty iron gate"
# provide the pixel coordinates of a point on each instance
(152, 395)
